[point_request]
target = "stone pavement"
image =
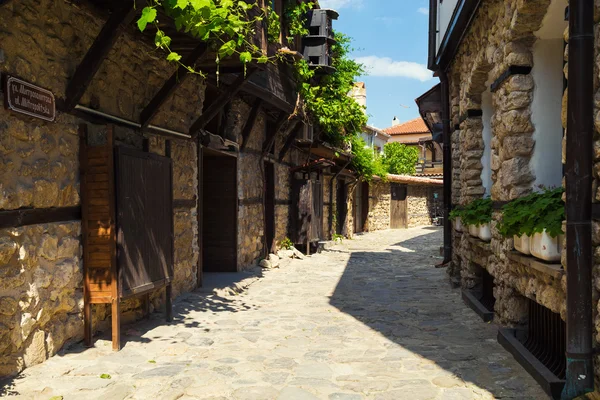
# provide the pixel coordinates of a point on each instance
(371, 319)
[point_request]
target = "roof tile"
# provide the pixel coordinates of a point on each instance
(413, 126)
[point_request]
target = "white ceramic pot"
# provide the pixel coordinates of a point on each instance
(458, 227)
(485, 232)
(522, 244)
(545, 247)
(474, 230)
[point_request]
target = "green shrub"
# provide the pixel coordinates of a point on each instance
(534, 213)
(478, 212)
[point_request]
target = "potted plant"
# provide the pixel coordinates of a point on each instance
(455, 217)
(535, 222)
(516, 222)
(478, 215)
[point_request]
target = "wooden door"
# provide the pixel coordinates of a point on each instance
(220, 213)
(316, 231)
(361, 206)
(398, 206)
(341, 207)
(144, 220)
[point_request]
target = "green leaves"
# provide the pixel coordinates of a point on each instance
(148, 16)
(173, 57)
(162, 40)
(478, 212)
(400, 158)
(534, 213)
(245, 57)
(227, 49)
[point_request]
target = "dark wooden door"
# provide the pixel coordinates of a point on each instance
(220, 213)
(316, 230)
(144, 220)
(361, 206)
(269, 205)
(302, 214)
(341, 207)
(398, 206)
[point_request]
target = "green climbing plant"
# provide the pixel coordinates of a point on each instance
(226, 25)
(295, 17)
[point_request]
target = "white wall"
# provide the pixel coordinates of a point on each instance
(547, 72)
(487, 107)
(546, 161)
(444, 14)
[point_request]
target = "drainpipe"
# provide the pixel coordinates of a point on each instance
(580, 130)
(447, 147)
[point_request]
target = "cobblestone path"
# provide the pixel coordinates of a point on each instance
(371, 320)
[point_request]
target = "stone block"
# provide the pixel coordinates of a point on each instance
(519, 83)
(514, 146)
(35, 353)
(45, 193)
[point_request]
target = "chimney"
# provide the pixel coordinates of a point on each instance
(395, 121)
(359, 93)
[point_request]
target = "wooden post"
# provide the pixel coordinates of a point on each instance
(199, 211)
(169, 289)
(146, 297)
(87, 305)
(116, 282)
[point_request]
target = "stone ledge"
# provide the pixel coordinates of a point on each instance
(485, 246)
(554, 270)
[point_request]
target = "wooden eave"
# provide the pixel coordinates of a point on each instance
(324, 150)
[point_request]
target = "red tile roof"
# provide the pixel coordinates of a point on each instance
(413, 126)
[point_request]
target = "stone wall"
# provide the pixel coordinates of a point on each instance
(380, 197)
(251, 226)
(40, 268)
(484, 55)
(421, 205)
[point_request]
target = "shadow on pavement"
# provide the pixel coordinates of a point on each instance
(401, 295)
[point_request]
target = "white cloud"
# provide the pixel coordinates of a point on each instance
(337, 4)
(385, 66)
(423, 11)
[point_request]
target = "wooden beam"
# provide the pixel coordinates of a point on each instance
(34, 216)
(270, 139)
(111, 31)
(220, 102)
(250, 123)
(170, 85)
(290, 140)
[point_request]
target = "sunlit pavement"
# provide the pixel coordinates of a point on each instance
(371, 319)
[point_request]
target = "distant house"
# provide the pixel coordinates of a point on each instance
(415, 133)
(375, 138)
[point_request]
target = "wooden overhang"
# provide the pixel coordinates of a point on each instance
(314, 165)
(272, 83)
(324, 150)
(430, 106)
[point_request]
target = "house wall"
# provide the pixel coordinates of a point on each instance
(422, 205)
(380, 197)
(251, 226)
(40, 265)
(517, 144)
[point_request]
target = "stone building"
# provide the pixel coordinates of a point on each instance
(504, 68)
(232, 146)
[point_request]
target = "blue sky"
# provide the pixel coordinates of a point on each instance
(390, 38)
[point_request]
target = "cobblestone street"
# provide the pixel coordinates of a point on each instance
(371, 319)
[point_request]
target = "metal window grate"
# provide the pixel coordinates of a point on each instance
(546, 338)
(487, 290)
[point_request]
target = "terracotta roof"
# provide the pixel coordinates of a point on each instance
(413, 126)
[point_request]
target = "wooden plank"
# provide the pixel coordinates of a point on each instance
(220, 102)
(101, 298)
(31, 216)
(87, 304)
(169, 289)
(290, 140)
(98, 169)
(99, 240)
(199, 213)
(250, 122)
(96, 152)
(170, 85)
(97, 186)
(99, 287)
(115, 310)
(89, 66)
